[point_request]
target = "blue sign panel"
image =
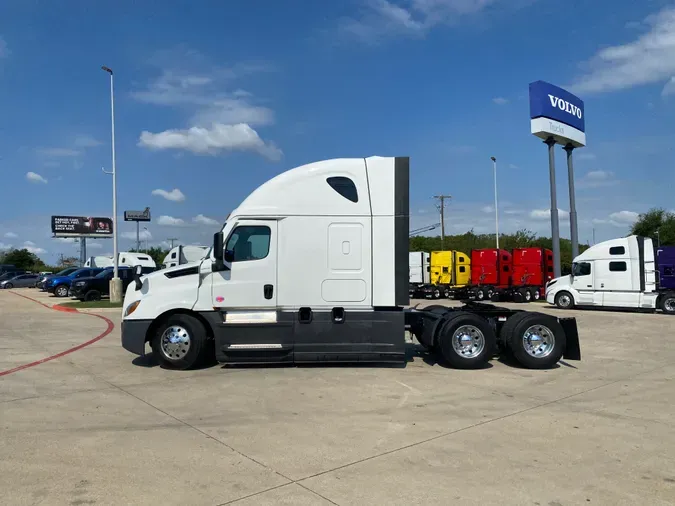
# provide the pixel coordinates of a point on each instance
(551, 102)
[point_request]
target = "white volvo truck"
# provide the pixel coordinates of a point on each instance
(620, 273)
(311, 267)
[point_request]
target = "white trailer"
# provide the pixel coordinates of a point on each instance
(311, 268)
(420, 269)
(99, 261)
(620, 273)
(180, 255)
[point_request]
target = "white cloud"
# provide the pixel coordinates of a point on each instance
(624, 217)
(668, 89)
(584, 155)
(4, 51)
(204, 220)
(513, 166)
(30, 246)
(500, 100)
(4, 246)
(34, 177)
(513, 212)
(413, 18)
(170, 221)
(220, 120)
(59, 152)
(174, 195)
(545, 214)
(143, 235)
(646, 60)
(488, 209)
(211, 141)
(597, 179)
(86, 141)
(11, 235)
(65, 240)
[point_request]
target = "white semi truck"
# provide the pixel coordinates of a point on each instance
(620, 273)
(311, 267)
(180, 255)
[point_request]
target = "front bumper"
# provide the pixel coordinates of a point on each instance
(134, 334)
(77, 291)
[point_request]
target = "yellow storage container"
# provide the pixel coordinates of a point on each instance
(452, 268)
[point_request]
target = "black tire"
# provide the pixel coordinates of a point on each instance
(472, 358)
(436, 294)
(181, 357)
(61, 291)
(446, 293)
(489, 292)
(667, 303)
(526, 293)
(542, 326)
(536, 294)
(564, 300)
(9, 286)
(479, 294)
(92, 295)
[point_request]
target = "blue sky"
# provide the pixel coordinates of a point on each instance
(214, 98)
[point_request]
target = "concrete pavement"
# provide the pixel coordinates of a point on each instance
(98, 426)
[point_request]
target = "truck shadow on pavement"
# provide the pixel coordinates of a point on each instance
(414, 352)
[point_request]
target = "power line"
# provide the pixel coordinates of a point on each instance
(441, 209)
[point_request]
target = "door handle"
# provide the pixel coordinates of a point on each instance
(602, 285)
(590, 286)
(268, 291)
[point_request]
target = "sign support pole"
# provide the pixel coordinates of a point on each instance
(83, 251)
(138, 236)
(574, 232)
(555, 228)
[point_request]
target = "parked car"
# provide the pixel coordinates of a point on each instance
(65, 272)
(20, 281)
(60, 285)
(10, 275)
(94, 288)
(8, 269)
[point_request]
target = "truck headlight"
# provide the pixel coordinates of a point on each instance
(131, 308)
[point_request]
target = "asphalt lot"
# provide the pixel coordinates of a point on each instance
(98, 426)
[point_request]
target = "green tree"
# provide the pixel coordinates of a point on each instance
(657, 224)
(21, 259)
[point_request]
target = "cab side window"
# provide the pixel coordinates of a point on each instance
(249, 242)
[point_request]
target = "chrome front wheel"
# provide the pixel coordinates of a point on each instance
(175, 342)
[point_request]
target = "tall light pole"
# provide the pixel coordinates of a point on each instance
(494, 170)
(147, 233)
(115, 282)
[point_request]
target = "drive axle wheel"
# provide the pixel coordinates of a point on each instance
(180, 342)
(92, 295)
(466, 341)
(536, 294)
(536, 340)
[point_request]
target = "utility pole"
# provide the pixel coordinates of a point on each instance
(441, 210)
(172, 239)
(494, 170)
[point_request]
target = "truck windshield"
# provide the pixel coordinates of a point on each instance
(581, 269)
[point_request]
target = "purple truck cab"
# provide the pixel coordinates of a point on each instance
(665, 261)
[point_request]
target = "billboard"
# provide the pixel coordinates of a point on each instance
(81, 226)
(555, 112)
(137, 215)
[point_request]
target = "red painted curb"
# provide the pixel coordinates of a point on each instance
(110, 328)
(59, 307)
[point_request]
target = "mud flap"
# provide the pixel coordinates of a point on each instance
(572, 348)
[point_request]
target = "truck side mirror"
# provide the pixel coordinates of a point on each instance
(218, 264)
(138, 272)
(229, 256)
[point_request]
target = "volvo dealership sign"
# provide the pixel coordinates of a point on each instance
(137, 215)
(556, 113)
(81, 226)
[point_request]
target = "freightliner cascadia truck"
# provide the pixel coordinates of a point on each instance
(621, 273)
(313, 267)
